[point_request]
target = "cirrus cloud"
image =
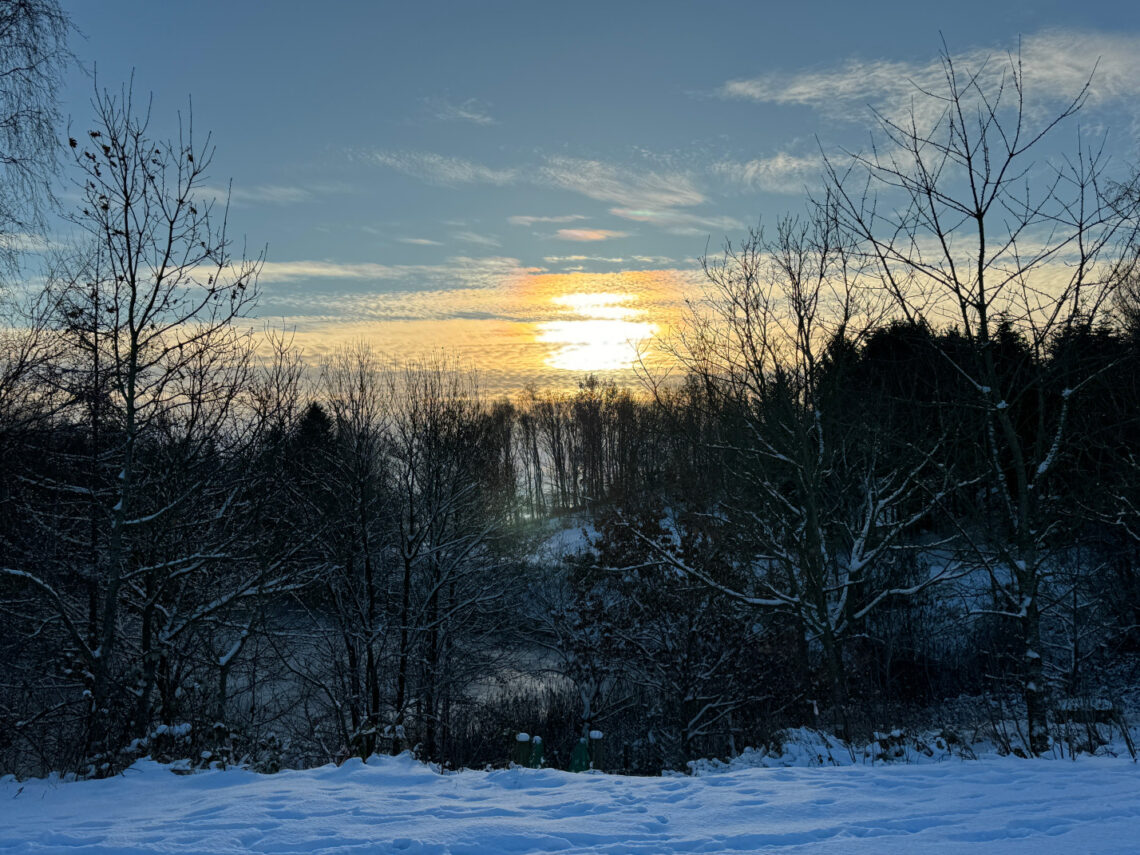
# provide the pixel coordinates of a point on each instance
(471, 110)
(621, 185)
(523, 220)
(608, 182)
(1056, 65)
(679, 222)
(587, 235)
(779, 173)
(419, 241)
(440, 169)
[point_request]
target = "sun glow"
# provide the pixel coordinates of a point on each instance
(589, 346)
(603, 306)
(603, 331)
(546, 330)
(606, 324)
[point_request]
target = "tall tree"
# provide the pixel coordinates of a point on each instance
(969, 224)
(820, 496)
(157, 366)
(33, 57)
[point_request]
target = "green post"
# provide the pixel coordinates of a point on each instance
(520, 753)
(536, 758)
(597, 751)
(580, 756)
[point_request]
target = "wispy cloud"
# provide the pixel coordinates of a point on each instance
(472, 110)
(601, 259)
(780, 173)
(306, 286)
(277, 194)
(629, 188)
(269, 194)
(477, 239)
(1056, 64)
(28, 242)
(608, 182)
(562, 259)
(586, 235)
(523, 220)
(419, 241)
(465, 268)
(291, 271)
(626, 187)
(678, 222)
(441, 169)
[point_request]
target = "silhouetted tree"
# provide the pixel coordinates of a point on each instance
(966, 224)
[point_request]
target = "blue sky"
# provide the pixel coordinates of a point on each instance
(424, 173)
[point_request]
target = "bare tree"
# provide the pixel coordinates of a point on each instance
(156, 365)
(356, 387)
(969, 223)
(451, 507)
(819, 499)
(33, 57)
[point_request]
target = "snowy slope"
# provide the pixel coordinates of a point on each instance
(397, 806)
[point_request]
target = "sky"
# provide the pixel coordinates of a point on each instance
(530, 186)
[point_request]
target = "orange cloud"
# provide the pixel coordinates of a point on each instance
(532, 329)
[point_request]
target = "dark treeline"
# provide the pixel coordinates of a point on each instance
(893, 465)
(371, 568)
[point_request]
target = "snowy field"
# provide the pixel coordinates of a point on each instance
(395, 805)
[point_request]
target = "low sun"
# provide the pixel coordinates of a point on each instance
(596, 332)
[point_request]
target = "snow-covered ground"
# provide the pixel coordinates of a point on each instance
(394, 805)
